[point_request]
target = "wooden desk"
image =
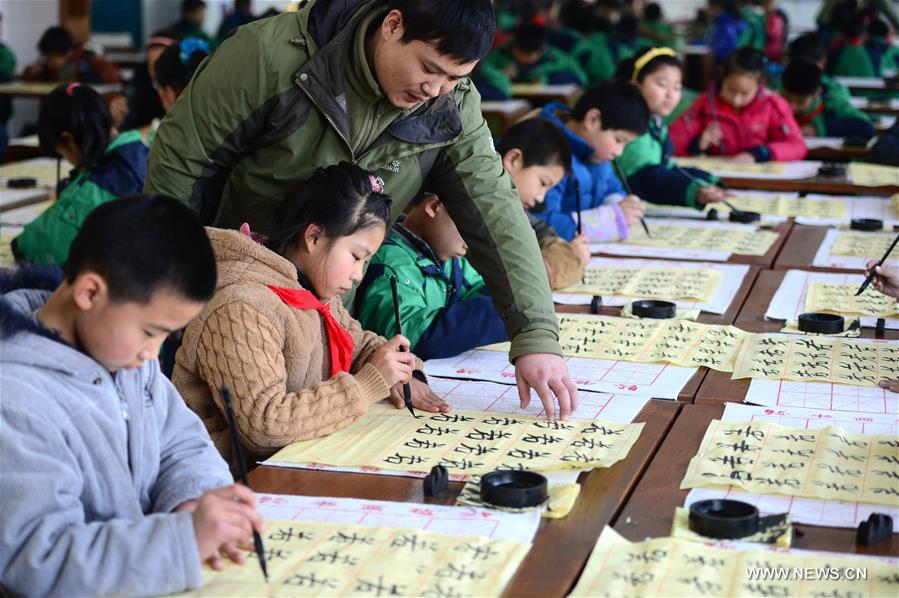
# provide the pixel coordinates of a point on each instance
(837, 154)
(561, 547)
(867, 84)
(504, 113)
(126, 59)
(816, 184)
(13, 199)
(717, 387)
(21, 89)
(650, 509)
(544, 94)
(872, 106)
(799, 251)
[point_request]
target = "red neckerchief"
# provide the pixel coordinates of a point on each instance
(809, 116)
(340, 343)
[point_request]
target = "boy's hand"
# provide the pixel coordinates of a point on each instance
(743, 158)
(710, 194)
(890, 385)
(224, 520)
(581, 246)
(422, 397)
(886, 278)
(808, 130)
(395, 366)
(712, 135)
(632, 208)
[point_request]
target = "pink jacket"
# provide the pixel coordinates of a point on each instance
(766, 128)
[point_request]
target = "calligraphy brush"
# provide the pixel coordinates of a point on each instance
(242, 471)
(627, 187)
(577, 203)
(407, 390)
(880, 263)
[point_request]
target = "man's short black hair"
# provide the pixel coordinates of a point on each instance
(652, 12)
(530, 37)
(55, 40)
(853, 26)
(878, 28)
(462, 29)
(807, 45)
(802, 77)
(620, 104)
(142, 244)
(540, 141)
(191, 6)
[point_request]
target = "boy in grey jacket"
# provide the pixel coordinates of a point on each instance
(109, 483)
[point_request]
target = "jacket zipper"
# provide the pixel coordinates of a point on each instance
(329, 119)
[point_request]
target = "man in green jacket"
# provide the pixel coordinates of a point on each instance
(384, 84)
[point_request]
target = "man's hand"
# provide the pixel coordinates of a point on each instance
(422, 397)
(548, 375)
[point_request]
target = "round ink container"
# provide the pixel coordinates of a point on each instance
(866, 224)
(723, 518)
(744, 217)
(514, 488)
(654, 309)
(21, 183)
(820, 323)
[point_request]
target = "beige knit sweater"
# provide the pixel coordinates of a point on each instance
(273, 357)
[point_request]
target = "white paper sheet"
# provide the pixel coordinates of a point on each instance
(789, 300)
(28, 141)
(505, 106)
(656, 380)
(863, 102)
(824, 396)
(862, 82)
(440, 519)
(41, 169)
(863, 206)
(823, 142)
(12, 196)
(824, 259)
(731, 280)
(828, 513)
(662, 211)
(668, 252)
(797, 169)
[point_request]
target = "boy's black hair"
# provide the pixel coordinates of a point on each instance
(462, 29)
(340, 198)
(627, 26)
(80, 111)
(652, 12)
(540, 141)
(878, 28)
(802, 77)
(174, 69)
(142, 244)
(746, 60)
(242, 5)
(172, 34)
(807, 45)
(620, 104)
(530, 37)
(625, 68)
(191, 6)
(728, 6)
(55, 40)
(852, 26)
(577, 15)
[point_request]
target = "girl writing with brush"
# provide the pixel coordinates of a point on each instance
(886, 281)
(276, 333)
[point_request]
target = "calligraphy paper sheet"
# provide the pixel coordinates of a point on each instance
(792, 297)
(671, 567)
(680, 342)
(713, 241)
(438, 519)
(654, 282)
(762, 197)
(868, 206)
(840, 298)
(825, 396)
(851, 250)
(732, 276)
(811, 511)
(817, 207)
(725, 167)
(873, 175)
(466, 442)
(43, 170)
(767, 458)
(621, 378)
(820, 359)
(324, 559)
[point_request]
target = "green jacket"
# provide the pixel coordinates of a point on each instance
(754, 34)
(832, 118)
(444, 307)
(286, 95)
(121, 172)
(554, 67)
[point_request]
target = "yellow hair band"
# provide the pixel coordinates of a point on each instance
(646, 58)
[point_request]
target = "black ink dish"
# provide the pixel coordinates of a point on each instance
(819, 323)
(514, 488)
(866, 224)
(654, 309)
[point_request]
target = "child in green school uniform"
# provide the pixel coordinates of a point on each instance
(75, 123)
(654, 28)
(529, 59)
(883, 54)
(174, 69)
(810, 47)
(847, 56)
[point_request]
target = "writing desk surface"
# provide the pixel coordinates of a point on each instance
(717, 387)
(840, 153)
(543, 94)
(650, 509)
(815, 184)
(561, 547)
(800, 248)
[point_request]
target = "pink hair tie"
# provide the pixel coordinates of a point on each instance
(377, 183)
(70, 88)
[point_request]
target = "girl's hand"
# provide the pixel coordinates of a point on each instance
(712, 135)
(886, 278)
(632, 208)
(710, 194)
(743, 158)
(422, 397)
(395, 366)
(580, 244)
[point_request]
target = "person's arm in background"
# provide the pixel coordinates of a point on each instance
(689, 126)
(552, 213)
(785, 141)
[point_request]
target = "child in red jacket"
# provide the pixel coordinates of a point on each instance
(738, 117)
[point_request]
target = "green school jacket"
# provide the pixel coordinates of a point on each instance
(554, 64)
(287, 95)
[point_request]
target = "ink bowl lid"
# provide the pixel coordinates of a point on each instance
(723, 518)
(653, 308)
(514, 488)
(744, 217)
(866, 224)
(821, 323)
